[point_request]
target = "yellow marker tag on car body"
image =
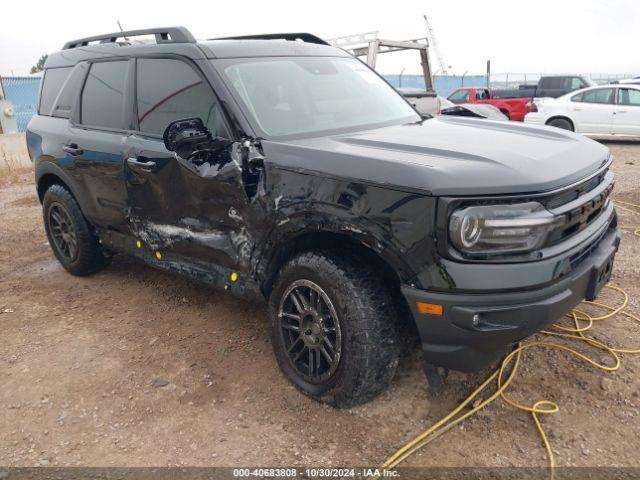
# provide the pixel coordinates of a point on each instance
(158, 255)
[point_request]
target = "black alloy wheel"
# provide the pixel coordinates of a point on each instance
(310, 331)
(63, 232)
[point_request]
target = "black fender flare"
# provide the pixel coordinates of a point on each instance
(45, 167)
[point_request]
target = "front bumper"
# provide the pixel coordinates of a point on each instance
(452, 340)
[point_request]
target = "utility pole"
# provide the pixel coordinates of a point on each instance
(489, 73)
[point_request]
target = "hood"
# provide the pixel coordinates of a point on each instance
(448, 156)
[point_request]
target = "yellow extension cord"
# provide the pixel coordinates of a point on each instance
(506, 373)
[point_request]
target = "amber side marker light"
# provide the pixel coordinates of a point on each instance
(429, 308)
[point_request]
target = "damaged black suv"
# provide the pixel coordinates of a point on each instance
(279, 168)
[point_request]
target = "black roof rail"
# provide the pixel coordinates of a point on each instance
(163, 35)
(305, 37)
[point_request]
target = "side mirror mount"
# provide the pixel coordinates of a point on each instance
(186, 136)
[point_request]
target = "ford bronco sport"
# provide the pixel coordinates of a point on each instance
(279, 168)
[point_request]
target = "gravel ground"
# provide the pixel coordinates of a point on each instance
(134, 367)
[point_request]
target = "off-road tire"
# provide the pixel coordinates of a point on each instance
(367, 319)
(89, 257)
(561, 123)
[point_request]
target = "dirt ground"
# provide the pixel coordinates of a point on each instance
(135, 367)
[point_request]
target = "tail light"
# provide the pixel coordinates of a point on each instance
(531, 105)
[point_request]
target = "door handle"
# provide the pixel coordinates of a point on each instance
(147, 166)
(620, 111)
(73, 149)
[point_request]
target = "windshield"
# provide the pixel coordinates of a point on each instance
(290, 96)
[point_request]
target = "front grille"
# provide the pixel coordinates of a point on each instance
(577, 191)
(579, 206)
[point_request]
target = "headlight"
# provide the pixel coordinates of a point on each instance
(499, 229)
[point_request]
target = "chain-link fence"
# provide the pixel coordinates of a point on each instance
(514, 80)
(444, 85)
(23, 94)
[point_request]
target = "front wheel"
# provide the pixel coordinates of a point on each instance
(333, 328)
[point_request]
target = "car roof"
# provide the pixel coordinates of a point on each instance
(595, 87)
(233, 48)
(178, 40)
(564, 75)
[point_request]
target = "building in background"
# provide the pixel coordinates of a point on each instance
(22, 92)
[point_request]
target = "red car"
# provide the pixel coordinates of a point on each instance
(507, 101)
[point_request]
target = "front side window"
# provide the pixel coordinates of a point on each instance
(307, 95)
(461, 96)
(599, 95)
(103, 95)
(629, 96)
(169, 90)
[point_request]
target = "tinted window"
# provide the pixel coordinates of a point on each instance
(599, 95)
(461, 96)
(551, 82)
(482, 94)
(627, 96)
(169, 90)
(70, 92)
(52, 83)
(103, 95)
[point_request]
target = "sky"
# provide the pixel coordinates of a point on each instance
(541, 36)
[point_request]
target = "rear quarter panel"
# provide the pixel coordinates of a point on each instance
(45, 138)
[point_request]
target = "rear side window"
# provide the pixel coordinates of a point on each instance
(551, 82)
(575, 83)
(577, 98)
(52, 82)
(168, 90)
(599, 95)
(103, 95)
(70, 92)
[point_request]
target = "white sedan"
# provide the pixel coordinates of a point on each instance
(603, 110)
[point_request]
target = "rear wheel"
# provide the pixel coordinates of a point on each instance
(333, 327)
(561, 123)
(70, 236)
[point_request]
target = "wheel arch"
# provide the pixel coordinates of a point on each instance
(48, 174)
(561, 117)
(382, 265)
(46, 181)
